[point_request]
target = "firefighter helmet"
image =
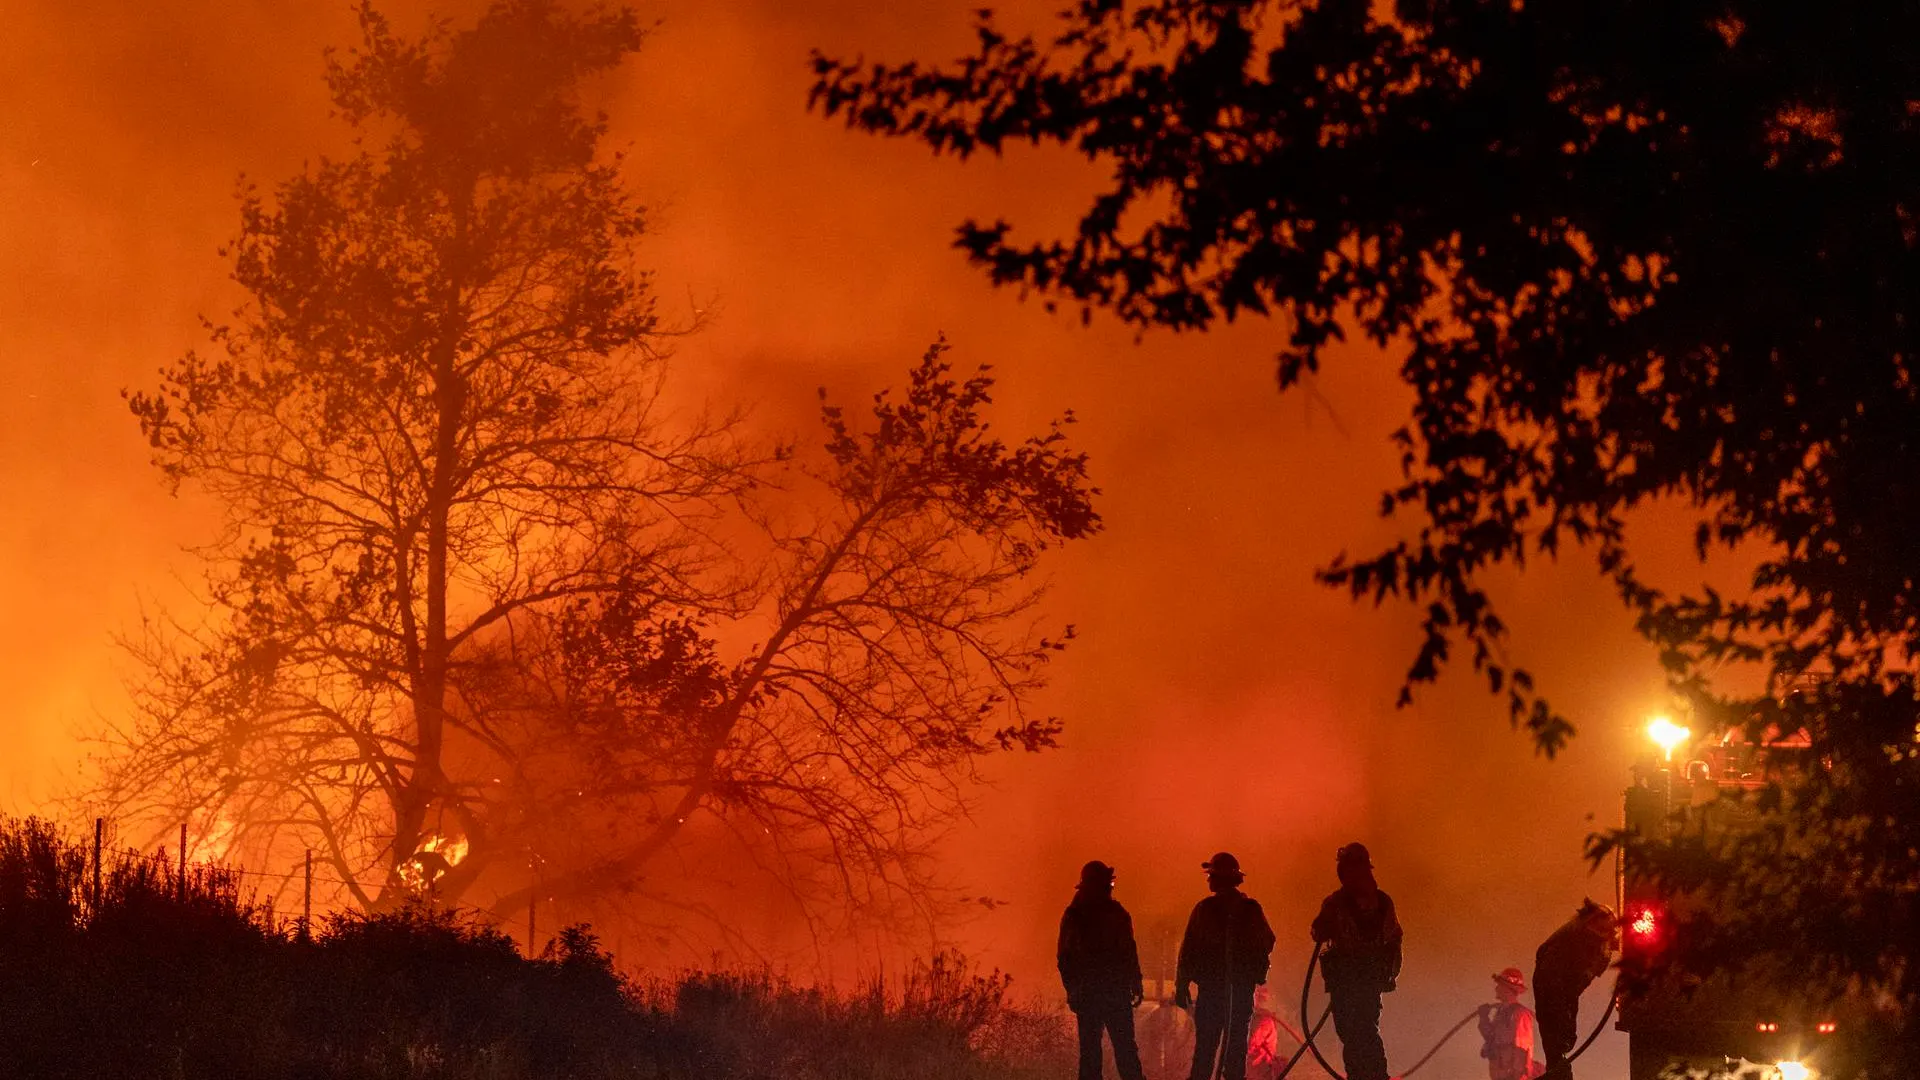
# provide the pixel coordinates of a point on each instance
(1097, 875)
(1225, 865)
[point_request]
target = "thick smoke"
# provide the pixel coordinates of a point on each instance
(1217, 697)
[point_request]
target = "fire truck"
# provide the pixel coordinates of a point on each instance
(1757, 1024)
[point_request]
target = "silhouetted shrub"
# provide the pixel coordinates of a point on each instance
(166, 974)
(946, 1021)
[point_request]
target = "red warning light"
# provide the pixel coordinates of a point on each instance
(1766, 1027)
(1646, 927)
(1645, 923)
(1826, 1027)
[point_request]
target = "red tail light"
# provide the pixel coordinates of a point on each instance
(1826, 1027)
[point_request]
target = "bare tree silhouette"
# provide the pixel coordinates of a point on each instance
(890, 649)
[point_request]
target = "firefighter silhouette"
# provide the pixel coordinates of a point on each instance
(1100, 968)
(1225, 951)
(1506, 1030)
(1361, 934)
(1565, 965)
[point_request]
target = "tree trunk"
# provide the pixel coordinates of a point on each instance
(429, 685)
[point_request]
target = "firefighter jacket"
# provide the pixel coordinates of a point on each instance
(1362, 941)
(1228, 942)
(1506, 1041)
(1097, 955)
(1570, 959)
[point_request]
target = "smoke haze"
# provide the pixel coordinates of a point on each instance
(1217, 698)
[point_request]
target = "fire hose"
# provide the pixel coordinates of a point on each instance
(1306, 993)
(1444, 1040)
(1613, 1002)
(1304, 1043)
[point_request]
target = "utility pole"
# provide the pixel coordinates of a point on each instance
(183, 860)
(99, 826)
(533, 902)
(306, 902)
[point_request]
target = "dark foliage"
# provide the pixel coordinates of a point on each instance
(162, 976)
(1653, 251)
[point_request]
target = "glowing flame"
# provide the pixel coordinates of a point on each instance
(217, 841)
(450, 849)
(437, 855)
(1792, 1070)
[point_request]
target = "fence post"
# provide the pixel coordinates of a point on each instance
(183, 860)
(533, 902)
(306, 901)
(99, 825)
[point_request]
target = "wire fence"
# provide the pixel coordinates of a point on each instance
(107, 857)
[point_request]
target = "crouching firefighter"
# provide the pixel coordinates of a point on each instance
(1361, 961)
(1100, 967)
(1226, 950)
(1565, 965)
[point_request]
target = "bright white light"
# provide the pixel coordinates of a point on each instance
(1792, 1070)
(1666, 734)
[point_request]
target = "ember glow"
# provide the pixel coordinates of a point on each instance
(450, 849)
(436, 856)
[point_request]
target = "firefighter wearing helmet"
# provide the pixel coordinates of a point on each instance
(1226, 951)
(1100, 968)
(1506, 1030)
(1361, 934)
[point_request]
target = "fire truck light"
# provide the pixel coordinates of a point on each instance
(1792, 1070)
(1766, 1028)
(1666, 734)
(1826, 1027)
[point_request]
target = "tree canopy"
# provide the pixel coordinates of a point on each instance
(1626, 253)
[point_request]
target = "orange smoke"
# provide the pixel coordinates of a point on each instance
(1217, 698)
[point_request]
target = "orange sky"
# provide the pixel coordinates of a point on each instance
(1218, 698)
